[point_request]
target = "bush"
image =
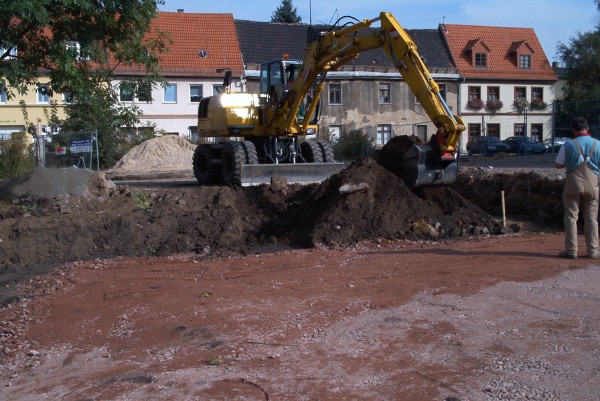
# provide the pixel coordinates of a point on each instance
(16, 158)
(353, 145)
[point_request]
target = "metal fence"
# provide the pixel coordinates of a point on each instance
(79, 149)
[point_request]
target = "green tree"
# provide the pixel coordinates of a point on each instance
(286, 13)
(78, 45)
(353, 145)
(581, 58)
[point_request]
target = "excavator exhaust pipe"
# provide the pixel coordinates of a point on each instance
(417, 163)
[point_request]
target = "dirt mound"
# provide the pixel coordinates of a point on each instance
(49, 183)
(366, 201)
(166, 153)
(363, 202)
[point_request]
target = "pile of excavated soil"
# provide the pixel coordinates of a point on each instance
(162, 154)
(93, 218)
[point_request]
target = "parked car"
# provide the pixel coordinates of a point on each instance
(554, 145)
(486, 146)
(524, 145)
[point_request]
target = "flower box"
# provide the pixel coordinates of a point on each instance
(493, 105)
(520, 104)
(538, 104)
(475, 104)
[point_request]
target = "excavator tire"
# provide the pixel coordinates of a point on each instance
(206, 173)
(311, 151)
(232, 158)
(327, 151)
(250, 152)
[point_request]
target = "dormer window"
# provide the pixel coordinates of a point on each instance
(477, 52)
(522, 54)
(481, 60)
(525, 61)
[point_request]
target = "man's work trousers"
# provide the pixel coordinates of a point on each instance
(581, 190)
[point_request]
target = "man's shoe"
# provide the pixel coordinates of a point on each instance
(594, 256)
(566, 255)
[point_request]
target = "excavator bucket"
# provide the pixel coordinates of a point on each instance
(302, 173)
(422, 167)
(417, 163)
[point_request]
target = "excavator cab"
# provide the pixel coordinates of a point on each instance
(277, 78)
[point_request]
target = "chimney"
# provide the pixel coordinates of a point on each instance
(180, 10)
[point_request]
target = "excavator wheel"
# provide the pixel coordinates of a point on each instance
(206, 173)
(232, 158)
(327, 150)
(311, 151)
(250, 152)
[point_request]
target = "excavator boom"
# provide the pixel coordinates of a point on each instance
(424, 164)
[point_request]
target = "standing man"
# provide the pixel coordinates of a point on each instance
(581, 157)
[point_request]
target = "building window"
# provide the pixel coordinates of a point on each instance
(525, 61)
(519, 130)
(335, 132)
(537, 131)
(217, 89)
(170, 93)
(43, 94)
(195, 93)
(384, 93)
(193, 133)
(384, 133)
(537, 94)
(443, 91)
(493, 130)
(335, 93)
(144, 93)
(474, 101)
(493, 93)
(2, 95)
(422, 132)
(67, 98)
(520, 92)
(10, 53)
(474, 130)
(480, 60)
(125, 92)
(474, 93)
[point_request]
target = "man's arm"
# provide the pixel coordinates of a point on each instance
(561, 158)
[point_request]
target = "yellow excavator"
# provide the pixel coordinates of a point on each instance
(249, 138)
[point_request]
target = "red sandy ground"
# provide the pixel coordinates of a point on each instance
(492, 319)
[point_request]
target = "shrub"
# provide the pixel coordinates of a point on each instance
(16, 158)
(352, 145)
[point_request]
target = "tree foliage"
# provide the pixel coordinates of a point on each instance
(79, 45)
(581, 58)
(353, 145)
(286, 13)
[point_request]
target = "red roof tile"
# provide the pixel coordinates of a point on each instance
(502, 45)
(192, 33)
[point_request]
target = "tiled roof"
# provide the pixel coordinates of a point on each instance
(192, 33)
(266, 41)
(502, 44)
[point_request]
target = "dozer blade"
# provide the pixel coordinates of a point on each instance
(420, 166)
(302, 173)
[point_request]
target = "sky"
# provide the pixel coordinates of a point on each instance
(554, 21)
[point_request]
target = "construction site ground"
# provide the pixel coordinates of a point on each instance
(353, 289)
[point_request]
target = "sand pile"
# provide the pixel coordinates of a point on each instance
(162, 154)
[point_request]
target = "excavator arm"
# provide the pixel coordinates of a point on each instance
(336, 48)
